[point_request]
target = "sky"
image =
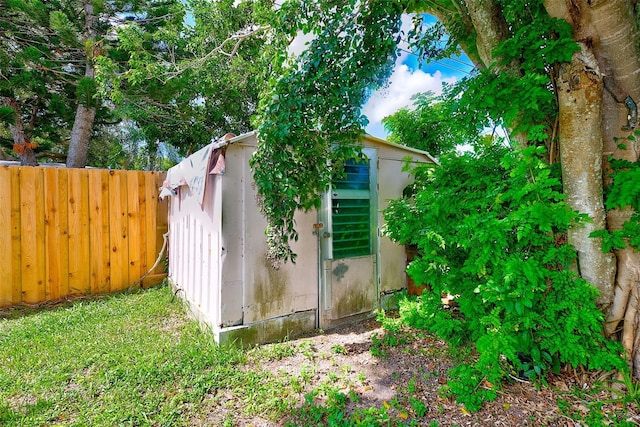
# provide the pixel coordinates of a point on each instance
(408, 79)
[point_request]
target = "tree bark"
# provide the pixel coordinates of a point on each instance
(610, 28)
(85, 114)
(81, 136)
(580, 116)
(618, 52)
(21, 144)
(487, 16)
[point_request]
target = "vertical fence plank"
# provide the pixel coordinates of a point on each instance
(80, 260)
(118, 233)
(32, 235)
(56, 234)
(51, 237)
(151, 198)
(162, 219)
(99, 231)
(16, 246)
(142, 223)
(63, 230)
(133, 225)
(6, 269)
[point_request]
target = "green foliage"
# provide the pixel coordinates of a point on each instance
(85, 91)
(309, 117)
(431, 42)
(433, 125)
(467, 384)
(184, 83)
(333, 412)
(7, 115)
(45, 52)
(33, 84)
(66, 30)
(625, 190)
(491, 232)
(517, 90)
(623, 193)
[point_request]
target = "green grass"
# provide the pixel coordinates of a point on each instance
(124, 360)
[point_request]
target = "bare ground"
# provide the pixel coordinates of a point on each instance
(408, 376)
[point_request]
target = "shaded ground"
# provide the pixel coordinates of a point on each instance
(402, 381)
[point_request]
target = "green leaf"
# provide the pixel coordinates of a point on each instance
(7, 115)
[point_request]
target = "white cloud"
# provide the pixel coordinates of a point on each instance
(403, 84)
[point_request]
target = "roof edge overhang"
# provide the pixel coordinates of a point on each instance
(401, 147)
(365, 136)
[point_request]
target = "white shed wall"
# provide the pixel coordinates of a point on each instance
(265, 292)
(391, 182)
(194, 248)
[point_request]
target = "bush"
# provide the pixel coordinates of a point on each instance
(491, 232)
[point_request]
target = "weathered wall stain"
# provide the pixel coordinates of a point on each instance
(340, 270)
(354, 301)
(270, 291)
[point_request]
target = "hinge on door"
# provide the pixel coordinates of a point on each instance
(317, 227)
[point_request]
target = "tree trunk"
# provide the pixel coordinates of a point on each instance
(81, 136)
(85, 114)
(21, 144)
(611, 28)
(487, 15)
(618, 52)
(580, 116)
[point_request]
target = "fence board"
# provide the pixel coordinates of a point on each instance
(32, 235)
(151, 196)
(118, 230)
(99, 231)
(79, 233)
(56, 233)
(6, 270)
(133, 226)
(16, 246)
(162, 225)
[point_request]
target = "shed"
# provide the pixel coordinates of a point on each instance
(345, 269)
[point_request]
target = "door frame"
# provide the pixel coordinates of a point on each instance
(325, 247)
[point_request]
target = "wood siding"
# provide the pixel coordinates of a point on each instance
(72, 232)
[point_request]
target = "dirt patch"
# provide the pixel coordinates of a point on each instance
(407, 376)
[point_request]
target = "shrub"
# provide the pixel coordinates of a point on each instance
(491, 229)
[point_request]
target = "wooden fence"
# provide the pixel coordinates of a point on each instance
(69, 232)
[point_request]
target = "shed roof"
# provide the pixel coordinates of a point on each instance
(245, 136)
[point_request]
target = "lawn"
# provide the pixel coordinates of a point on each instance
(124, 360)
(138, 360)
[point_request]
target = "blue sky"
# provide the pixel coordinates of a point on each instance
(408, 79)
